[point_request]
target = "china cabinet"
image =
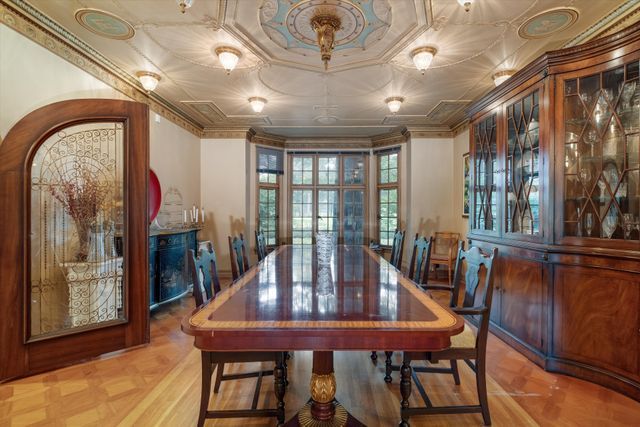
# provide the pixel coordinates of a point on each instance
(555, 155)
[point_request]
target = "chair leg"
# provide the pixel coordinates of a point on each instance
(454, 371)
(279, 373)
(481, 382)
(205, 393)
(285, 357)
(387, 367)
(449, 272)
(374, 355)
(219, 373)
(405, 389)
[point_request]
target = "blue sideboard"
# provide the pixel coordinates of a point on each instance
(169, 275)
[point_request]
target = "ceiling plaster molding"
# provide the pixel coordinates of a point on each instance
(394, 138)
(460, 127)
(265, 139)
(430, 132)
(37, 27)
(243, 36)
(328, 143)
(225, 133)
(623, 16)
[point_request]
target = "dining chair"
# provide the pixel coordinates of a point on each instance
(397, 249)
(419, 274)
(238, 255)
(444, 250)
(261, 245)
(395, 259)
(476, 267)
(206, 287)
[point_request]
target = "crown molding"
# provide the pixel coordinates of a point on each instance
(460, 127)
(39, 28)
(226, 133)
(618, 19)
(430, 132)
(265, 139)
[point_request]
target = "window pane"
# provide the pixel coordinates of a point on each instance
(302, 216)
(268, 213)
(354, 170)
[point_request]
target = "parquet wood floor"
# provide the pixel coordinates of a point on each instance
(159, 385)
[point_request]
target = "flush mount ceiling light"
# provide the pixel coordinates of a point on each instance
(257, 104)
(394, 103)
(184, 4)
(466, 4)
(148, 79)
(422, 57)
(325, 24)
(502, 76)
(228, 56)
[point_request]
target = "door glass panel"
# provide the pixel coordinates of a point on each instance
(328, 212)
(485, 175)
(354, 170)
(268, 214)
(601, 119)
(388, 209)
(328, 170)
(523, 173)
(353, 219)
(302, 217)
(77, 217)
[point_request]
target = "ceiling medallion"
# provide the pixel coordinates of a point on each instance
(362, 23)
(326, 24)
(548, 22)
(104, 24)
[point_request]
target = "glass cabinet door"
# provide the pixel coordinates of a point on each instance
(485, 177)
(522, 171)
(601, 154)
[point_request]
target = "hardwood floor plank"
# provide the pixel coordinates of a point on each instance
(159, 385)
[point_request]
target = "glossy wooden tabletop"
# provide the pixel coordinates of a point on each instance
(290, 302)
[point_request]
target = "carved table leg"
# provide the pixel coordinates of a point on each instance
(405, 389)
(323, 409)
(388, 368)
(280, 386)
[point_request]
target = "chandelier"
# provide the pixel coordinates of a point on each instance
(326, 24)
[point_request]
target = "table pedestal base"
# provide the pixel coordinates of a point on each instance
(323, 410)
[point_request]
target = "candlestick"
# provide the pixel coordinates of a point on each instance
(184, 216)
(202, 210)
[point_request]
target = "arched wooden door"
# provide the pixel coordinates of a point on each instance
(73, 227)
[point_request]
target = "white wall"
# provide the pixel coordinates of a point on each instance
(460, 147)
(431, 187)
(224, 189)
(32, 77)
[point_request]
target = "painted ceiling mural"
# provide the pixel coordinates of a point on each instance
(280, 62)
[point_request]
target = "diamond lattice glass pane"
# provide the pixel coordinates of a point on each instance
(601, 114)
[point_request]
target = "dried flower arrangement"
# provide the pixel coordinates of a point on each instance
(82, 196)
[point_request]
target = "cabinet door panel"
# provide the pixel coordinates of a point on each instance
(596, 317)
(522, 308)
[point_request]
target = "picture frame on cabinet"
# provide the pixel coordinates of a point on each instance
(466, 170)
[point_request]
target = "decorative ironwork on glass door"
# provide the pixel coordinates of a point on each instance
(486, 175)
(602, 142)
(77, 211)
(523, 175)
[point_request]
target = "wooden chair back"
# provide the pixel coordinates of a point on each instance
(420, 260)
(261, 245)
(476, 266)
(397, 249)
(204, 271)
(445, 242)
(238, 255)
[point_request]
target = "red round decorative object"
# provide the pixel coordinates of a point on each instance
(155, 195)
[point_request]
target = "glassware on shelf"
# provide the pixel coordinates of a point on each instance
(591, 137)
(585, 176)
(627, 225)
(610, 222)
(588, 223)
(578, 222)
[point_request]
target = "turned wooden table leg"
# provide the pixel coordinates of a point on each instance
(280, 386)
(323, 386)
(405, 389)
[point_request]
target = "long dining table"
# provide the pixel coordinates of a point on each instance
(355, 302)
